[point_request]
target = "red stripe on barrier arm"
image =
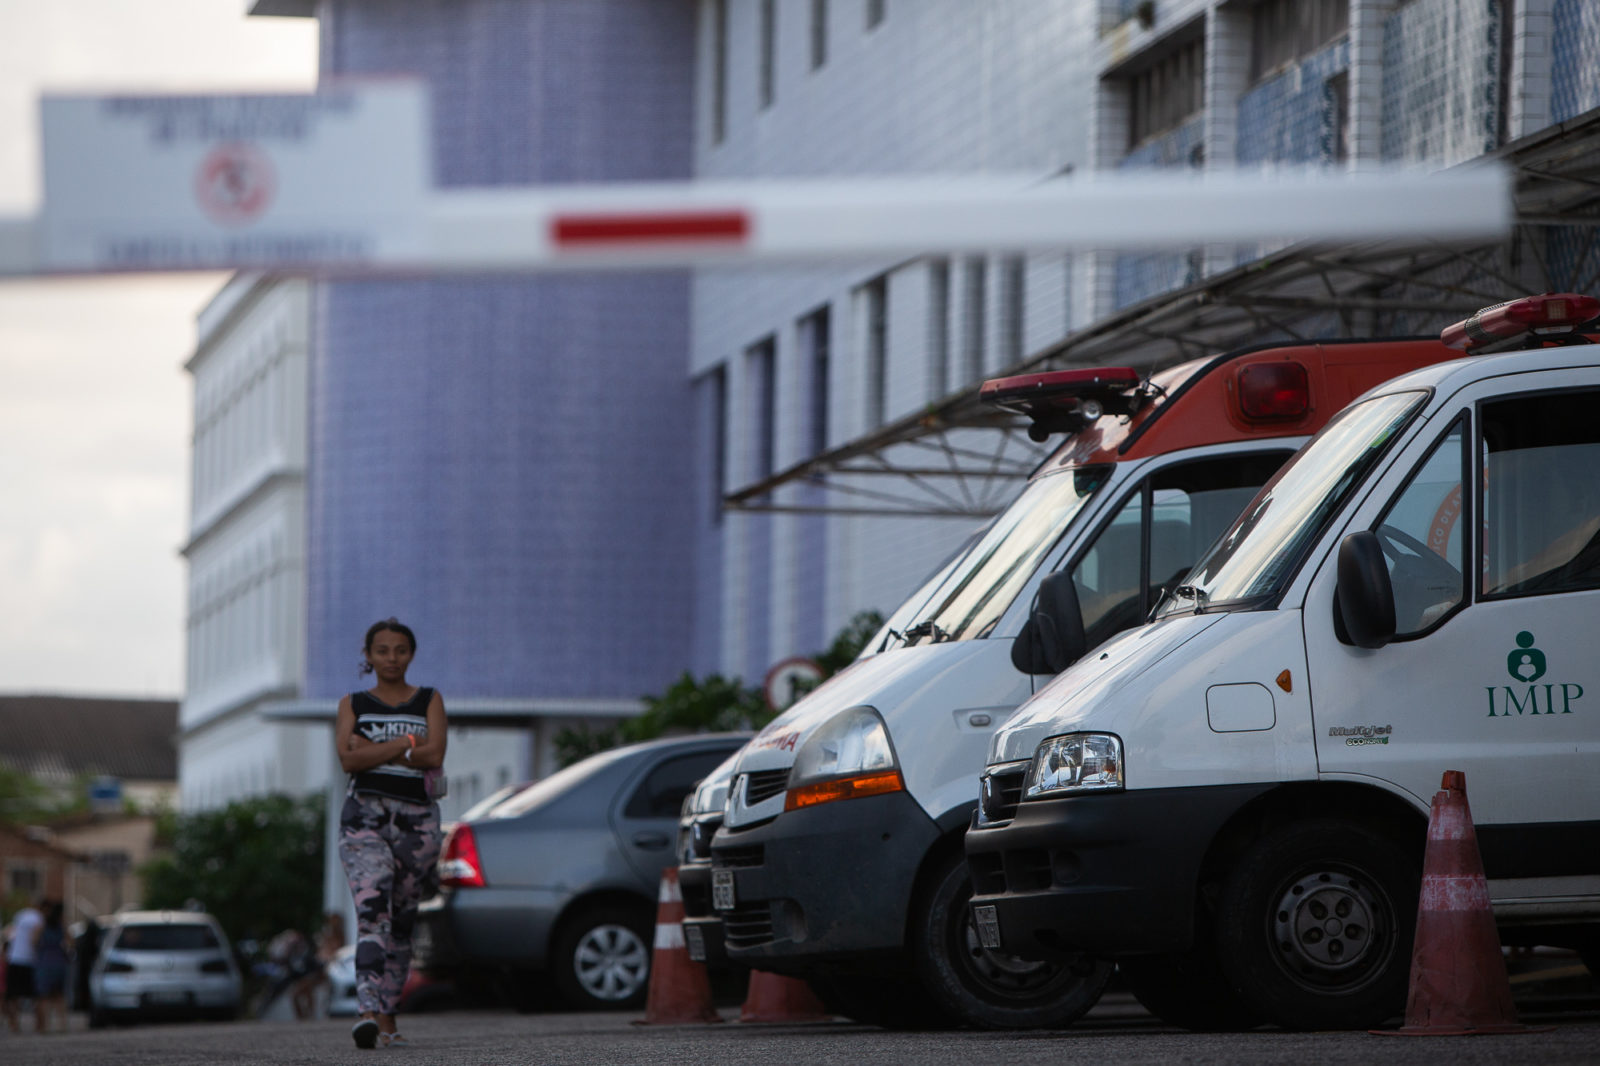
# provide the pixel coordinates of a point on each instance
(578, 230)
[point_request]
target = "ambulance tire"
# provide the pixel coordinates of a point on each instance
(988, 989)
(1315, 923)
(1187, 989)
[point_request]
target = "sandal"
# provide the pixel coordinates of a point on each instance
(398, 1040)
(365, 1033)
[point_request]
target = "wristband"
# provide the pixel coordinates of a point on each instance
(412, 737)
(408, 755)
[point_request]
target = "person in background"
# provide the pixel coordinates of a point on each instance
(52, 952)
(329, 940)
(389, 831)
(22, 939)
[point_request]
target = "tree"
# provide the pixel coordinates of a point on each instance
(711, 704)
(849, 641)
(23, 797)
(256, 865)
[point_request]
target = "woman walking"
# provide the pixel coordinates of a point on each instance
(387, 738)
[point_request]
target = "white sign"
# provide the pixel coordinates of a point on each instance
(335, 179)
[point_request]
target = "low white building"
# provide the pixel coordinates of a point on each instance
(246, 549)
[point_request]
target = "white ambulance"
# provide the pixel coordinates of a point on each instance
(1231, 801)
(839, 854)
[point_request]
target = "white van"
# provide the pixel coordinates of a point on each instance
(1231, 801)
(839, 856)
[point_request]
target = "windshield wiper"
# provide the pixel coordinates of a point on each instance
(927, 628)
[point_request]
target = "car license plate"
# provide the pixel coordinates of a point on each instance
(695, 939)
(988, 920)
(166, 998)
(722, 890)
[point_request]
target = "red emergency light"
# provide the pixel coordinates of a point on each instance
(1548, 314)
(1274, 392)
(1064, 401)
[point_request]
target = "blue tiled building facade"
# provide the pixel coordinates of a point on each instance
(505, 463)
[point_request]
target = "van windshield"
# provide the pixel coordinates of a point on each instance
(988, 577)
(1260, 552)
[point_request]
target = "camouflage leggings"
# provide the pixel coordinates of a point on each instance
(388, 848)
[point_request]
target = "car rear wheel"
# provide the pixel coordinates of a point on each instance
(601, 957)
(986, 988)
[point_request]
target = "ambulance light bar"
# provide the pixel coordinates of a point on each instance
(1274, 392)
(1064, 401)
(1545, 315)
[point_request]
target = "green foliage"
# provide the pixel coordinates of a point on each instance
(575, 745)
(23, 798)
(255, 864)
(849, 642)
(712, 704)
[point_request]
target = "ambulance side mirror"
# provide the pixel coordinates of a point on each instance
(1363, 607)
(1052, 638)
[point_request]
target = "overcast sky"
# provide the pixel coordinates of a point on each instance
(95, 412)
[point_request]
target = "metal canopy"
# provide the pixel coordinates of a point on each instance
(959, 458)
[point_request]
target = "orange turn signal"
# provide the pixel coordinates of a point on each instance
(844, 788)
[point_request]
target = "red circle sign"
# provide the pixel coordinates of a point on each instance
(234, 184)
(790, 679)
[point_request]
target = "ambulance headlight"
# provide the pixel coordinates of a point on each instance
(848, 757)
(1076, 762)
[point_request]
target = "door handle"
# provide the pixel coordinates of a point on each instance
(650, 841)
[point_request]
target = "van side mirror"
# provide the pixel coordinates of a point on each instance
(1052, 638)
(1364, 598)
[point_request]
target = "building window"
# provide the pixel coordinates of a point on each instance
(1336, 110)
(819, 33)
(875, 12)
(974, 312)
(938, 328)
(1283, 31)
(759, 364)
(769, 41)
(719, 70)
(875, 308)
(815, 329)
(714, 386)
(1166, 93)
(24, 880)
(1013, 282)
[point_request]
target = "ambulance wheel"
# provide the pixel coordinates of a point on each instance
(991, 989)
(1187, 989)
(1315, 922)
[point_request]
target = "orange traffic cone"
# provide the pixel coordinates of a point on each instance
(1458, 976)
(774, 998)
(680, 992)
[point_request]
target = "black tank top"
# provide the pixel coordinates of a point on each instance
(377, 721)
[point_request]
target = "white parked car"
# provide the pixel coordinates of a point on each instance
(163, 964)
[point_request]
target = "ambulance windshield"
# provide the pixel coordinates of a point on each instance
(1260, 552)
(985, 580)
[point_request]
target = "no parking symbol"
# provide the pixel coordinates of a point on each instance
(234, 184)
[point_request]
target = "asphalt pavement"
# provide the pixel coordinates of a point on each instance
(1116, 1033)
